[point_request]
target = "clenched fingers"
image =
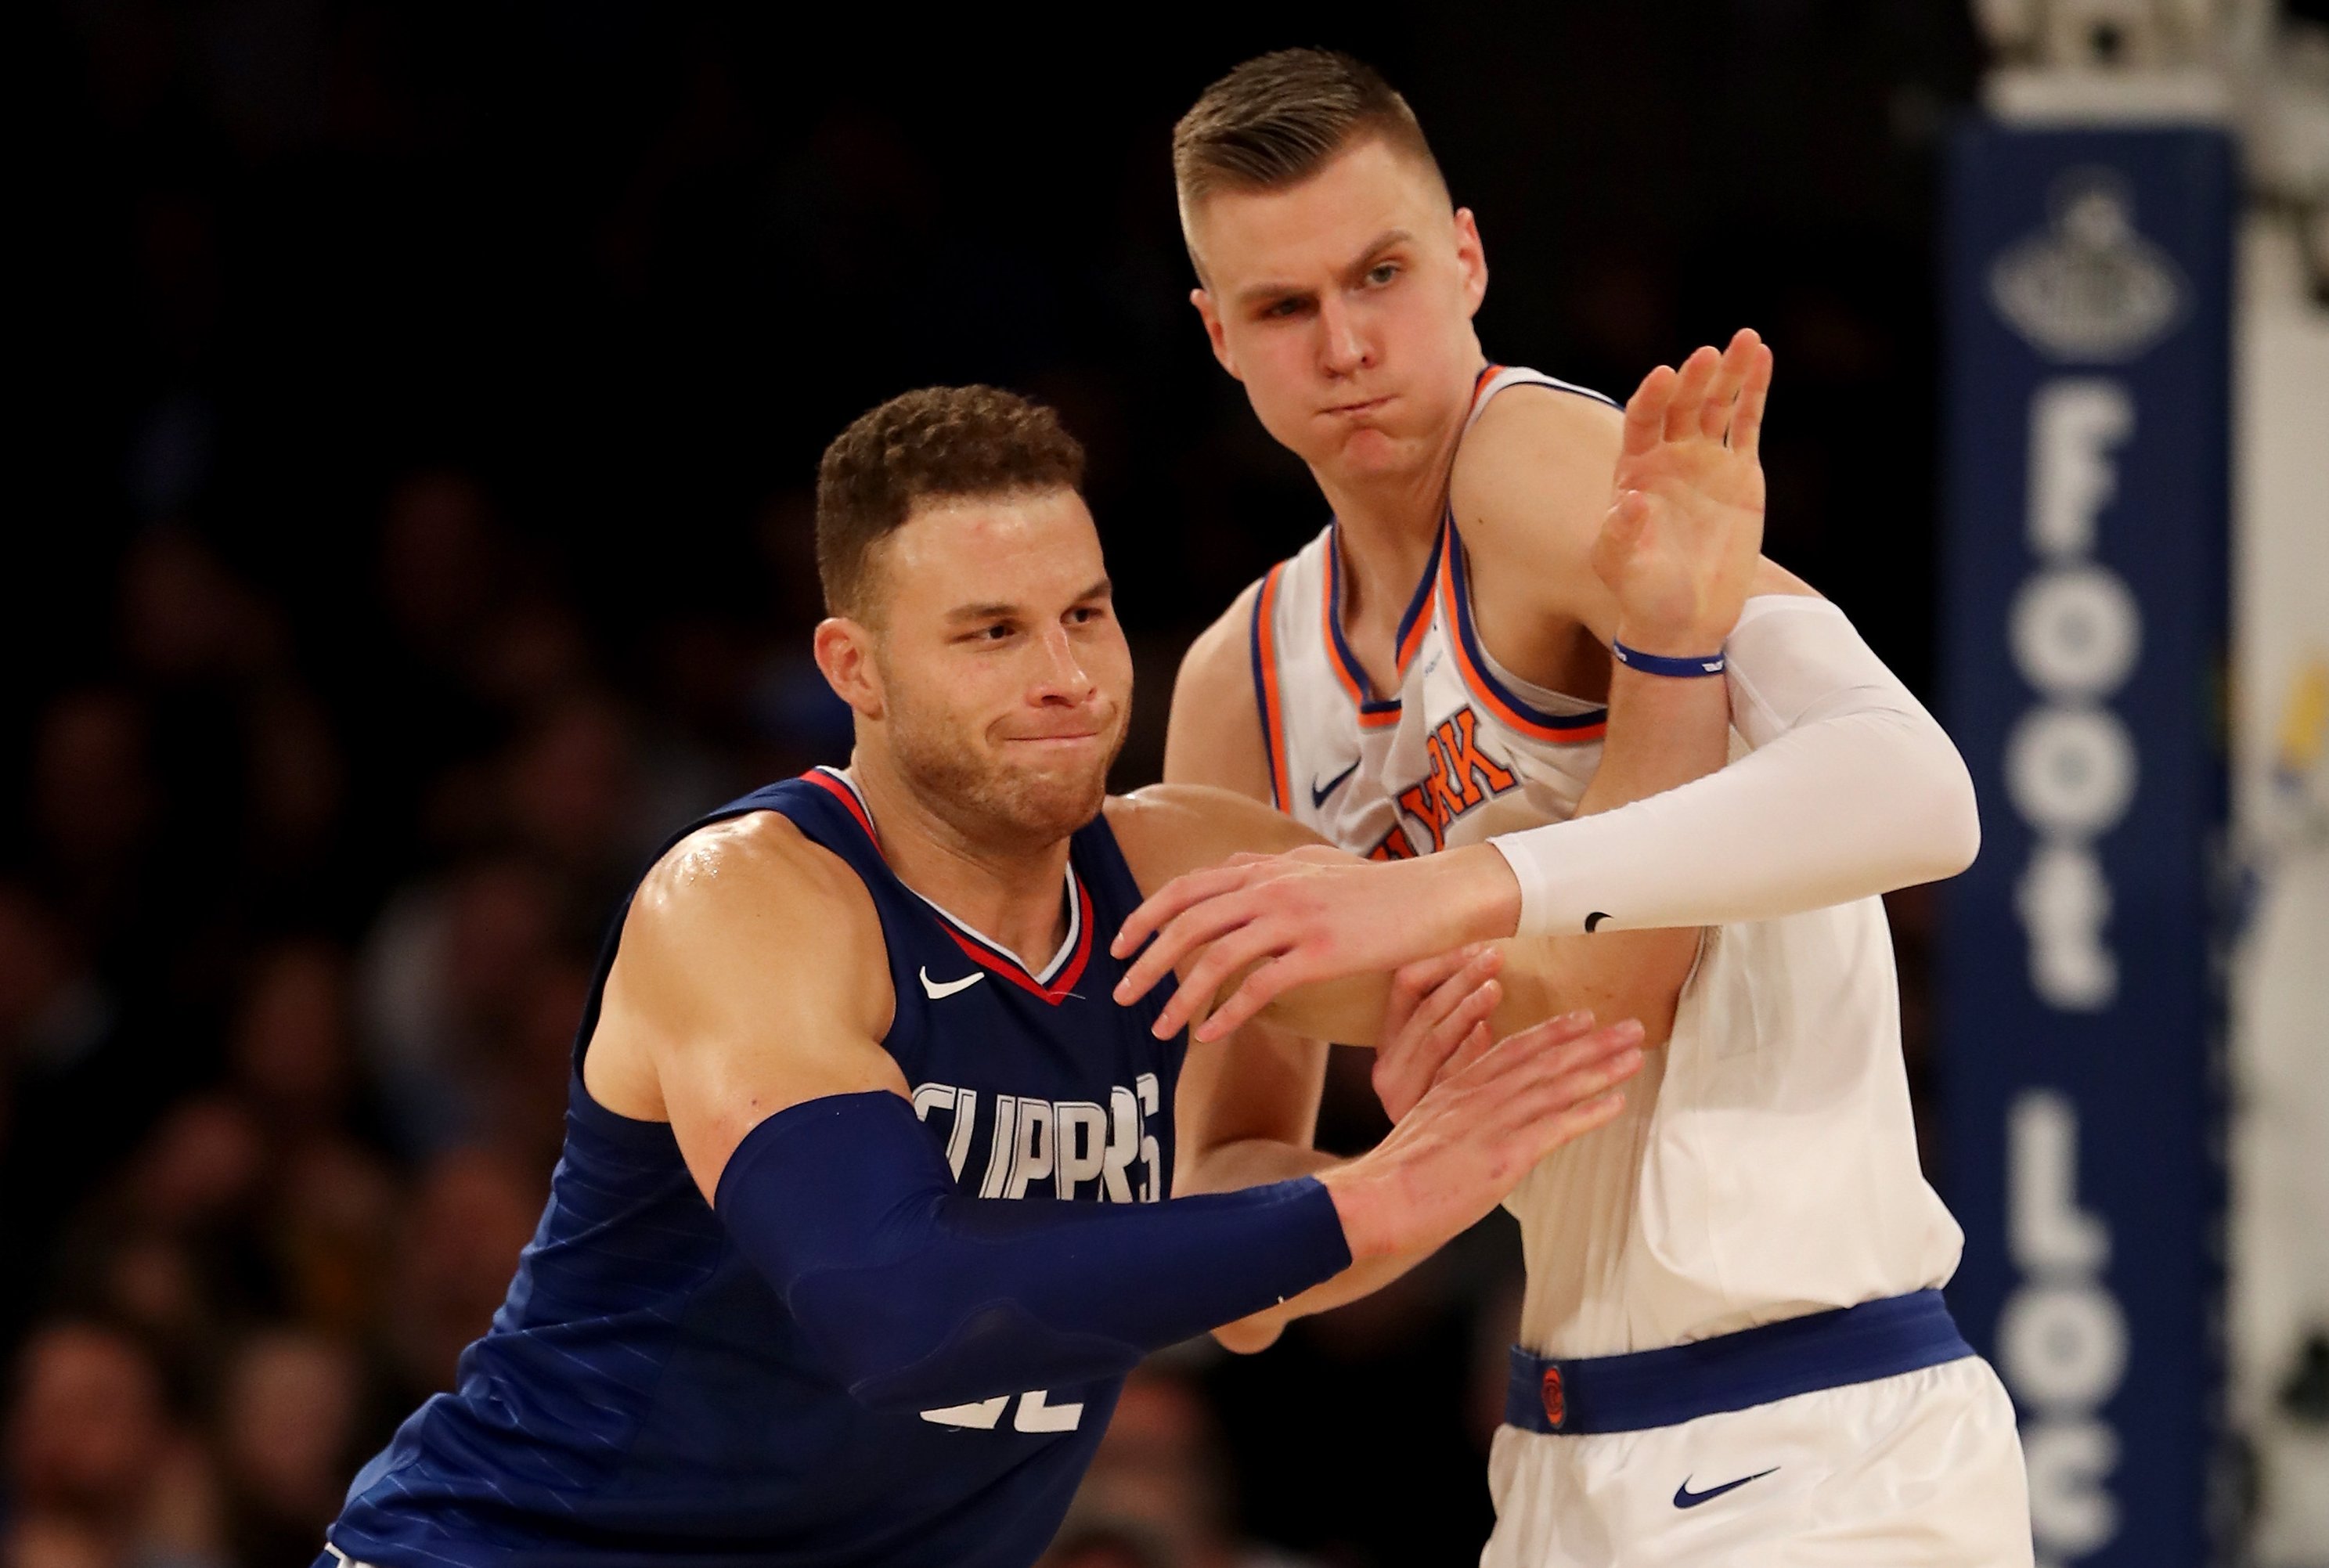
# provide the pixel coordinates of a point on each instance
(1453, 989)
(1409, 1060)
(1413, 982)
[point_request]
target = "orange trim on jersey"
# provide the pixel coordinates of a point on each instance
(1590, 726)
(1488, 372)
(1266, 699)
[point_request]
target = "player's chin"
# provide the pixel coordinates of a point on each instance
(1367, 450)
(1057, 786)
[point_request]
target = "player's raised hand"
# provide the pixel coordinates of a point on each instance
(1678, 545)
(1435, 1021)
(1463, 1147)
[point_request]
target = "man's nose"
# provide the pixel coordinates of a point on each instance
(1061, 677)
(1343, 349)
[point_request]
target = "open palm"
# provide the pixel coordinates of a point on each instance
(1678, 545)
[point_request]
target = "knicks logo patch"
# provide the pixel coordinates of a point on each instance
(1462, 776)
(1556, 1398)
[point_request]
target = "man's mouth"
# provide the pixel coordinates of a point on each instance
(1064, 738)
(1358, 408)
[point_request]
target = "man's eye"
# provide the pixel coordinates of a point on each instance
(1383, 272)
(1282, 309)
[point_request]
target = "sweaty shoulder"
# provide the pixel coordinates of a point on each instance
(742, 928)
(1215, 733)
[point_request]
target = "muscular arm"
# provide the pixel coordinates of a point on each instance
(747, 1005)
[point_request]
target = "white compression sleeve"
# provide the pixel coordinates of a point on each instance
(1852, 788)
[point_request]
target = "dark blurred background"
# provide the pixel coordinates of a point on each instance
(419, 405)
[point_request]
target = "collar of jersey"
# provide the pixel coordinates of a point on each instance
(1055, 981)
(1408, 641)
(1373, 710)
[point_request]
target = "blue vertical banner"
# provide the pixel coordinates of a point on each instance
(2086, 546)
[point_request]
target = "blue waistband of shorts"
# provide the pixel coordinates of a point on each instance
(1656, 1388)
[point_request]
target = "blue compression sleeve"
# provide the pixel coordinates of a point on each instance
(921, 1296)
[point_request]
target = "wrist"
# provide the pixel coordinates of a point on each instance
(1671, 640)
(1359, 1204)
(1479, 894)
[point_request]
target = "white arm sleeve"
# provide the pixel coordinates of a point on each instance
(1850, 789)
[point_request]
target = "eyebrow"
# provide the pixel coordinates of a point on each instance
(999, 611)
(1260, 293)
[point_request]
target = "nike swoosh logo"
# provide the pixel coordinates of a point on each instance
(1686, 1498)
(938, 988)
(1318, 792)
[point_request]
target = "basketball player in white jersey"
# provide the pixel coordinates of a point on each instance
(1732, 1349)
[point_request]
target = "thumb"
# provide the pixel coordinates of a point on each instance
(1628, 518)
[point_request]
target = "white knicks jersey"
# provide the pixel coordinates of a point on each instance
(1766, 1163)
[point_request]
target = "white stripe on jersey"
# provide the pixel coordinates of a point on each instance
(1766, 1163)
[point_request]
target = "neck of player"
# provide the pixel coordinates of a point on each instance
(1388, 521)
(1008, 890)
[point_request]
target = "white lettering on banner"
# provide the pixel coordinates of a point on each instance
(2076, 633)
(2061, 1338)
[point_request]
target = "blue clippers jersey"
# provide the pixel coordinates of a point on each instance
(643, 1397)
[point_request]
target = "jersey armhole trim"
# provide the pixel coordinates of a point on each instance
(1266, 700)
(1472, 664)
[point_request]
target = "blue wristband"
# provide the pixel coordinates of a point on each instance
(1659, 664)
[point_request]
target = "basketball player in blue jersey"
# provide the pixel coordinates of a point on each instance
(861, 1221)
(1732, 1345)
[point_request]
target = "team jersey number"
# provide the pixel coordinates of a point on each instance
(1035, 1413)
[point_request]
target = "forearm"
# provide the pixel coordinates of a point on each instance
(1852, 790)
(920, 1296)
(1258, 1162)
(1663, 733)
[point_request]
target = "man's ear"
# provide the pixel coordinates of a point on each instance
(1471, 260)
(1213, 320)
(844, 653)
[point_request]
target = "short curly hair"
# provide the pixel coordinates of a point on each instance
(939, 443)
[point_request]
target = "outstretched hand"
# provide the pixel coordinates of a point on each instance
(1480, 1129)
(1679, 542)
(1304, 916)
